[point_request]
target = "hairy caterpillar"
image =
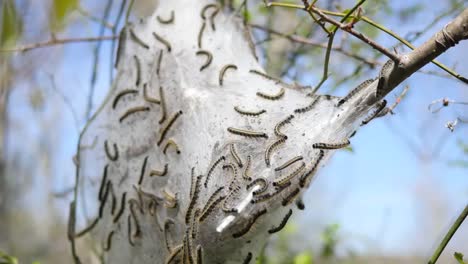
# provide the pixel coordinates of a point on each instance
(167, 223)
(138, 40)
(170, 20)
(289, 163)
(355, 91)
(158, 65)
(223, 71)
(337, 145)
(193, 200)
(103, 183)
(230, 195)
(249, 113)
(133, 110)
(282, 224)
(268, 196)
(380, 106)
(246, 133)
(166, 128)
(249, 225)
(248, 258)
(245, 174)
(142, 171)
(290, 197)
(170, 199)
(281, 124)
(200, 35)
(272, 97)
(290, 176)
(234, 154)
(386, 68)
(266, 76)
(174, 253)
(121, 94)
(169, 143)
(304, 178)
(87, 229)
(307, 108)
(138, 70)
(199, 254)
(209, 207)
(147, 97)
(209, 58)
(163, 41)
(122, 207)
(213, 15)
(163, 105)
(210, 171)
(271, 147)
(108, 245)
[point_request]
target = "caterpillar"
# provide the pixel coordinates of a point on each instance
(116, 151)
(380, 106)
(192, 182)
(163, 41)
(174, 253)
(290, 176)
(158, 64)
(160, 173)
(209, 58)
(193, 201)
(108, 245)
(170, 20)
(209, 207)
(121, 94)
(262, 181)
(133, 110)
(211, 199)
(166, 234)
(122, 207)
(249, 113)
(142, 171)
(199, 254)
(232, 167)
(271, 147)
(300, 204)
(386, 69)
(266, 76)
(268, 196)
(289, 163)
(282, 223)
(230, 195)
(170, 199)
(163, 105)
(135, 219)
(147, 97)
(166, 128)
(87, 229)
(138, 70)
(234, 154)
(355, 91)
(263, 186)
(245, 174)
(281, 124)
(308, 107)
(337, 145)
(109, 188)
(248, 258)
(138, 40)
(129, 231)
(196, 215)
(223, 71)
(290, 197)
(200, 35)
(188, 246)
(213, 15)
(304, 178)
(169, 143)
(272, 97)
(103, 183)
(246, 133)
(249, 225)
(210, 171)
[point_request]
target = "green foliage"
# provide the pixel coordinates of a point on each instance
(303, 258)
(330, 239)
(7, 259)
(11, 23)
(59, 11)
(459, 257)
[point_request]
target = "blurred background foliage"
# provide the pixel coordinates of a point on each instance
(391, 209)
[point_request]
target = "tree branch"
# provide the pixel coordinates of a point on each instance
(55, 42)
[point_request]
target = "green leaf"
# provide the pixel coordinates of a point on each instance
(303, 258)
(11, 24)
(59, 11)
(459, 257)
(7, 259)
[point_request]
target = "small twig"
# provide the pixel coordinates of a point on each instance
(449, 235)
(114, 32)
(55, 42)
(87, 14)
(94, 73)
(127, 15)
(67, 102)
(445, 102)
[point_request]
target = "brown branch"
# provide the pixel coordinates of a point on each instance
(310, 42)
(55, 42)
(356, 33)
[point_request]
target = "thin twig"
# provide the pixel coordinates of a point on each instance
(448, 236)
(114, 32)
(55, 42)
(91, 17)
(97, 48)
